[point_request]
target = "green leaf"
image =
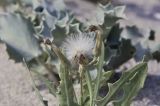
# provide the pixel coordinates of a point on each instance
(62, 22)
(106, 15)
(112, 43)
(125, 52)
(50, 19)
(112, 15)
(105, 77)
(18, 33)
(66, 91)
(125, 78)
(74, 29)
(132, 87)
(59, 35)
(98, 19)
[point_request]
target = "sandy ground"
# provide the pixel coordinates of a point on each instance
(15, 83)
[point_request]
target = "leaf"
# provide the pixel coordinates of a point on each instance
(59, 35)
(113, 39)
(132, 87)
(124, 79)
(46, 32)
(18, 33)
(125, 52)
(112, 42)
(55, 13)
(105, 77)
(74, 29)
(144, 42)
(112, 15)
(66, 91)
(50, 19)
(106, 15)
(103, 87)
(98, 19)
(65, 27)
(63, 20)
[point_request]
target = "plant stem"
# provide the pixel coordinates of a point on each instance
(99, 74)
(89, 84)
(81, 84)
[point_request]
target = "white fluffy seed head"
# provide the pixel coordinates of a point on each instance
(77, 45)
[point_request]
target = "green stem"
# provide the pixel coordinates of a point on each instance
(81, 85)
(99, 74)
(89, 84)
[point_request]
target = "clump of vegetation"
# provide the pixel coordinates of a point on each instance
(49, 38)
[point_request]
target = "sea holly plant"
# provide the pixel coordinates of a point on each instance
(65, 52)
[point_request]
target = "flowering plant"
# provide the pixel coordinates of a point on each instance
(74, 51)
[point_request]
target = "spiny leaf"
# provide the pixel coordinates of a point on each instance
(74, 29)
(106, 15)
(115, 87)
(46, 32)
(132, 87)
(20, 38)
(112, 15)
(62, 22)
(105, 77)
